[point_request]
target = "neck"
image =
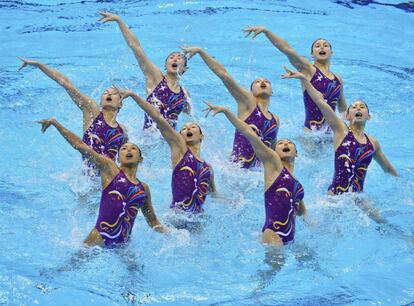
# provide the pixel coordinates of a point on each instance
(358, 128)
(172, 78)
(263, 102)
(323, 65)
(195, 149)
(110, 116)
(289, 164)
(130, 171)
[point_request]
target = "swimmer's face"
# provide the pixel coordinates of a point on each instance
(111, 99)
(321, 50)
(261, 87)
(286, 149)
(176, 63)
(191, 133)
(129, 154)
(358, 112)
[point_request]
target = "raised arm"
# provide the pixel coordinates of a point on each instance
(299, 62)
(381, 159)
(149, 213)
(243, 97)
(85, 103)
(105, 164)
(336, 124)
(172, 137)
(152, 73)
(268, 156)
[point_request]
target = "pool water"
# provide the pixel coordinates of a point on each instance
(47, 207)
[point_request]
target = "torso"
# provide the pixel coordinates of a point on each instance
(190, 184)
(331, 90)
(352, 159)
(169, 103)
(265, 128)
(282, 200)
(119, 206)
(103, 138)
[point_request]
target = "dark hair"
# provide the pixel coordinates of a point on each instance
(366, 105)
(314, 42)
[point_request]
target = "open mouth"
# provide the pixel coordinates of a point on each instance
(358, 115)
(286, 149)
(129, 155)
(174, 65)
(109, 99)
(263, 86)
(189, 134)
(322, 53)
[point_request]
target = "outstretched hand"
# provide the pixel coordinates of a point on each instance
(190, 51)
(290, 74)
(124, 93)
(256, 30)
(26, 62)
(213, 108)
(46, 123)
(107, 16)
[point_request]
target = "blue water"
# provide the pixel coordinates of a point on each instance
(47, 207)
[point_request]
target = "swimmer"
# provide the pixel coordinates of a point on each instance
(101, 131)
(283, 192)
(163, 91)
(122, 193)
(192, 178)
(354, 149)
(319, 74)
(252, 108)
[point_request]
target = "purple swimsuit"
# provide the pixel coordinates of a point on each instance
(266, 129)
(119, 206)
(331, 90)
(169, 103)
(351, 164)
(281, 203)
(190, 183)
(103, 138)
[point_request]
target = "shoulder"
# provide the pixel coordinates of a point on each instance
(276, 118)
(339, 78)
(185, 91)
(123, 127)
(374, 142)
(146, 187)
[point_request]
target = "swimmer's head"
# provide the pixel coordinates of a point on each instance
(321, 49)
(111, 99)
(358, 111)
(129, 154)
(192, 133)
(176, 63)
(286, 149)
(261, 87)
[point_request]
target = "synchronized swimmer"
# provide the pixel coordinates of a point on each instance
(122, 193)
(252, 108)
(255, 141)
(163, 91)
(101, 131)
(319, 73)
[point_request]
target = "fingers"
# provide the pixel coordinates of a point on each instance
(255, 34)
(24, 64)
(116, 88)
